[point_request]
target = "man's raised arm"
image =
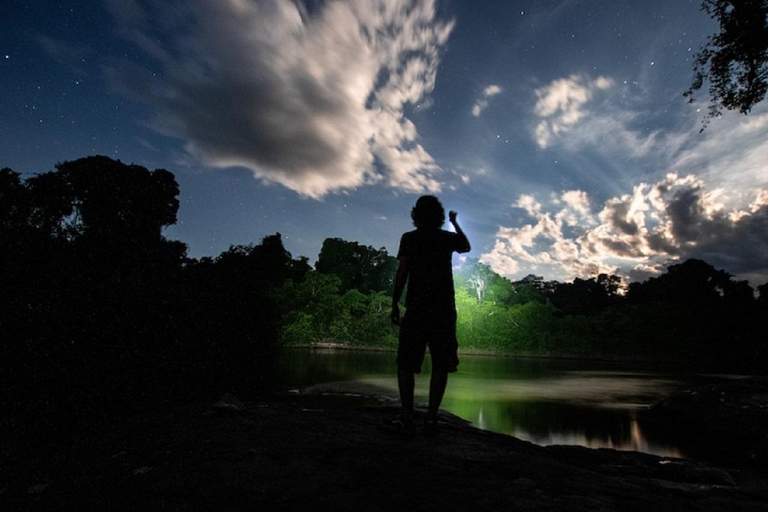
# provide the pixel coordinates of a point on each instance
(463, 240)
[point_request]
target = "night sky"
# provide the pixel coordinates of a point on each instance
(557, 129)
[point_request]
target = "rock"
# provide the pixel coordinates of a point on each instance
(229, 404)
(759, 452)
(525, 483)
(37, 489)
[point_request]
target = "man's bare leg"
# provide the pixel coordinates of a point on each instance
(437, 384)
(406, 383)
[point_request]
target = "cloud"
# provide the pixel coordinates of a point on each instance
(482, 103)
(310, 98)
(561, 104)
(529, 204)
(578, 207)
(704, 194)
(581, 113)
(577, 200)
(731, 154)
(636, 234)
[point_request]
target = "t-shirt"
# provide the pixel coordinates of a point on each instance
(430, 278)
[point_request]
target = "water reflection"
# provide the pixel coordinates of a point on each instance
(592, 404)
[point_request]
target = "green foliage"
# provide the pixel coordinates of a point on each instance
(315, 311)
(693, 312)
(520, 328)
(525, 293)
(484, 284)
(358, 267)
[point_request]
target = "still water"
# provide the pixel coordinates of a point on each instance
(545, 401)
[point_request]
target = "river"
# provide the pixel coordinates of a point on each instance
(546, 401)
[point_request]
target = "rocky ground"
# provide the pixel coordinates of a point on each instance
(296, 452)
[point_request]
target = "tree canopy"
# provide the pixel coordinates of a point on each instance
(735, 60)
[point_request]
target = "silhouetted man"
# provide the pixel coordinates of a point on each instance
(430, 317)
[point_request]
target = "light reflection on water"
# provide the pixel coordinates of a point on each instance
(636, 441)
(592, 409)
(592, 404)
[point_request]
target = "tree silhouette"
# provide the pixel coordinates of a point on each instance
(694, 283)
(587, 296)
(735, 60)
(112, 200)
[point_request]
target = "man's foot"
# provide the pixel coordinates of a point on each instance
(403, 426)
(431, 428)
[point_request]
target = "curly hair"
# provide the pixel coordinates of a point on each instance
(428, 213)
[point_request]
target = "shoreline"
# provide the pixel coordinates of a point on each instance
(690, 365)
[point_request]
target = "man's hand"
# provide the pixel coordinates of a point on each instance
(395, 314)
(452, 216)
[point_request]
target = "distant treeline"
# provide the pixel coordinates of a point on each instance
(691, 313)
(97, 307)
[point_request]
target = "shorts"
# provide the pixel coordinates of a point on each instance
(420, 330)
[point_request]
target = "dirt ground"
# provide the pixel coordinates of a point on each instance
(294, 452)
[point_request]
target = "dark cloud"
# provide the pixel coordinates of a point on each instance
(616, 212)
(739, 248)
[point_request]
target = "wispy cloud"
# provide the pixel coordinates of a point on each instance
(732, 154)
(482, 103)
(73, 55)
(312, 100)
(561, 104)
(601, 122)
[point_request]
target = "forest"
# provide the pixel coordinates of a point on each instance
(98, 309)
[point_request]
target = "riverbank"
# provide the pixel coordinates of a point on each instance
(297, 452)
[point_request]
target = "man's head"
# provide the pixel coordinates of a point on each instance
(428, 213)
